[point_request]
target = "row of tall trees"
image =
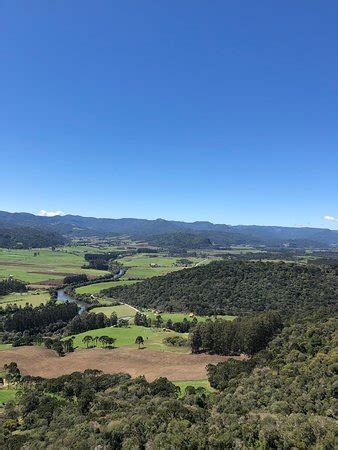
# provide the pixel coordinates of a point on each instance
(10, 285)
(30, 318)
(246, 335)
(90, 321)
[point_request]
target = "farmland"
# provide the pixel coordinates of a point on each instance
(21, 299)
(39, 361)
(46, 268)
(142, 266)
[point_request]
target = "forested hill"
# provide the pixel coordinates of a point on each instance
(28, 237)
(235, 288)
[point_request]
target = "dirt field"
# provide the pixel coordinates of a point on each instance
(39, 361)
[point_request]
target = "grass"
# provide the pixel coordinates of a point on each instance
(97, 287)
(195, 383)
(140, 266)
(148, 272)
(5, 346)
(126, 337)
(6, 394)
(33, 298)
(178, 317)
(48, 264)
(120, 310)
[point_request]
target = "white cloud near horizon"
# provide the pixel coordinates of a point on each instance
(44, 213)
(331, 218)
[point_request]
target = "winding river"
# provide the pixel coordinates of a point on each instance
(62, 296)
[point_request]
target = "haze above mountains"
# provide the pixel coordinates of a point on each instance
(71, 225)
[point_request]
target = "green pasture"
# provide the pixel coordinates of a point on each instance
(6, 394)
(179, 317)
(142, 266)
(97, 287)
(5, 346)
(120, 310)
(195, 383)
(148, 272)
(20, 299)
(48, 264)
(126, 337)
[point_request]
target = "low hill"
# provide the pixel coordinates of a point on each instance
(28, 237)
(180, 240)
(236, 288)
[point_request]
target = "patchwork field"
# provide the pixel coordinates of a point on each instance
(20, 299)
(46, 268)
(39, 361)
(143, 266)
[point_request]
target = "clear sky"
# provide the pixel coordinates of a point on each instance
(223, 110)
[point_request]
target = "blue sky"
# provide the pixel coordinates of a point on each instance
(193, 110)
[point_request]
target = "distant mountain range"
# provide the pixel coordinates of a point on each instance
(70, 225)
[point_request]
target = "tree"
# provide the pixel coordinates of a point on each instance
(110, 341)
(104, 340)
(113, 319)
(139, 340)
(87, 339)
(158, 321)
(68, 345)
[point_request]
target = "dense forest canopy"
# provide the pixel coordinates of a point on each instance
(235, 287)
(10, 285)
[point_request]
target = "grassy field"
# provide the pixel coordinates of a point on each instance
(141, 266)
(178, 317)
(6, 394)
(5, 346)
(126, 337)
(195, 383)
(97, 287)
(120, 310)
(33, 298)
(47, 265)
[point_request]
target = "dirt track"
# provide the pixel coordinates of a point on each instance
(39, 361)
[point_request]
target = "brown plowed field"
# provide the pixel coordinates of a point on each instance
(39, 361)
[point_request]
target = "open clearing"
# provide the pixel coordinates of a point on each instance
(195, 383)
(6, 394)
(39, 361)
(153, 338)
(97, 287)
(120, 310)
(20, 299)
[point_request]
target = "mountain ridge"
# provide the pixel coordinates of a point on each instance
(80, 225)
